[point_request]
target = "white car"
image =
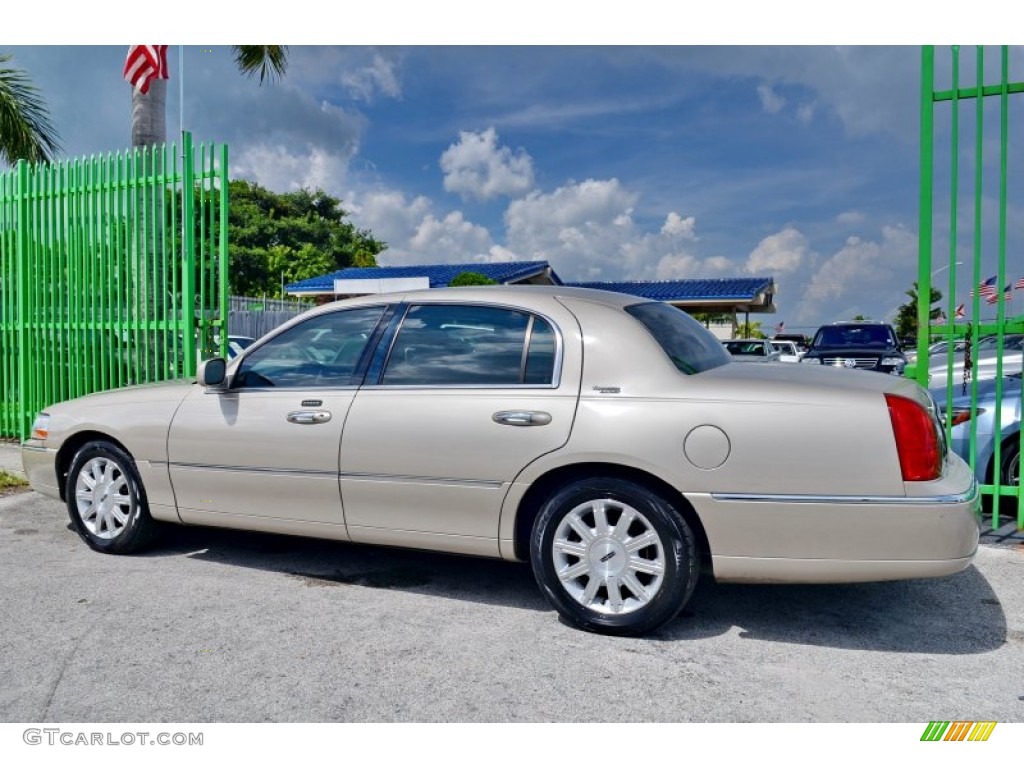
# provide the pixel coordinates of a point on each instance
(788, 353)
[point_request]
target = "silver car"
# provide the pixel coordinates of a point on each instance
(608, 441)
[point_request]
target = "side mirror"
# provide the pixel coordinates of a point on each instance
(211, 372)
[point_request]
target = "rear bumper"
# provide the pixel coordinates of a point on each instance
(933, 531)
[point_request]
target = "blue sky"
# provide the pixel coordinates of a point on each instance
(611, 162)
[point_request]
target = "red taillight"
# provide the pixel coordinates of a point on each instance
(917, 441)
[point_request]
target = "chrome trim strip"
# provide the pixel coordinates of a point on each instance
(268, 470)
(373, 477)
(416, 479)
(970, 495)
(37, 448)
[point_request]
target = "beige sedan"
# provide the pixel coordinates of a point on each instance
(607, 440)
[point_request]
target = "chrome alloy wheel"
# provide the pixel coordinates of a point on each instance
(608, 557)
(103, 498)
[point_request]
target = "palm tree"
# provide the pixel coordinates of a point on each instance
(25, 129)
(149, 110)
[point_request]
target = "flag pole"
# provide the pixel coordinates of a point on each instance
(181, 89)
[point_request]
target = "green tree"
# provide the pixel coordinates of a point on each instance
(471, 278)
(906, 315)
(25, 129)
(750, 330)
(292, 235)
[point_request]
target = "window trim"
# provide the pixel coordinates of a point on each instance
(383, 356)
(358, 374)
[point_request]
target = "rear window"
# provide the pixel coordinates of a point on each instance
(688, 344)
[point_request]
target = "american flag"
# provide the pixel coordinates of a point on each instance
(780, 328)
(994, 297)
(144, 63)
(986, 288)
(1019, 284)
(960, 312)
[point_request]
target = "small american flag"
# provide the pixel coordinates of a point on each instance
(960, 312)
(986, 288)
(780, 328)
(994, 297)
(144, 63)
(1019, 284)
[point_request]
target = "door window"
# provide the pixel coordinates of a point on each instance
(465, 345)
(323, 351)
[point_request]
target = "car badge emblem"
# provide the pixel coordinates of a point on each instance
(848, 363)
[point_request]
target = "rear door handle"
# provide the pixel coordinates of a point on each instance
(522, 418)
(309, 417)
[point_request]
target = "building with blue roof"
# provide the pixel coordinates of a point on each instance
(718, 296)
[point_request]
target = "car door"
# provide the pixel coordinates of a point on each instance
(466, 397)
(263, 451)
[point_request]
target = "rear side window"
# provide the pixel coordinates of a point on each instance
(468, 345)
(688, 344)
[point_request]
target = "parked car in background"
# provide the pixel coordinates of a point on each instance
(961, 416)
(799, 339)
(788, 352)
(866, 345)
(986, 354)
(939, 348)
(751, 350)
(606, 440)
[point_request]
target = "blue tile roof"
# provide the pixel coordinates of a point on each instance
(440, 275)
(723, 289)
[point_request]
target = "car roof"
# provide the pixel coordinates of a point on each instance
(523, 295)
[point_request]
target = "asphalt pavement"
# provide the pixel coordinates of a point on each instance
(222, 626)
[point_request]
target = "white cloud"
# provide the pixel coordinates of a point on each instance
(380, 75)
(449, 239)
(475, 167)
(280, 169)
(785, 251)
(850, 218)
(805, 112)
(771, 102)
(678, 226)
(863, 274)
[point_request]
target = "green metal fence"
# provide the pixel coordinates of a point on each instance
(113, 271)
(968, 162)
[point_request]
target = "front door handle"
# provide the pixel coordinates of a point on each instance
(522, 418)
(309, 417)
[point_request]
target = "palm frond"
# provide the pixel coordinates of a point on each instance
(270, 61)
(25, 129)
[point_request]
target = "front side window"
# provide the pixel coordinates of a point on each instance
(689, 345)
(467, 345)
(323, 351)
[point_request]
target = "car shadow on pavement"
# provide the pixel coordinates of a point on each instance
(953, 615)
(957, 614)
(324, 563)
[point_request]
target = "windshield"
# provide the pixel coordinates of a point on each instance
(855, 336)
(688, 344)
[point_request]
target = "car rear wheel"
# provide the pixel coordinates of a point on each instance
(106, 500)
(613, 557)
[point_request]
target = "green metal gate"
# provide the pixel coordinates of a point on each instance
(968, 185)
(113, 271)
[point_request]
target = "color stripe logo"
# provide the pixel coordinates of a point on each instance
(960, 730)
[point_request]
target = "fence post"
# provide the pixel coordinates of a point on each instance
(21, 259)
(188, 255)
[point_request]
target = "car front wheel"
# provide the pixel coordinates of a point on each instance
(613, 557)
(106, 500)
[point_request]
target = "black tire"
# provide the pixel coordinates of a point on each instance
(1010, 473)
(106, 501)
(636, 571)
